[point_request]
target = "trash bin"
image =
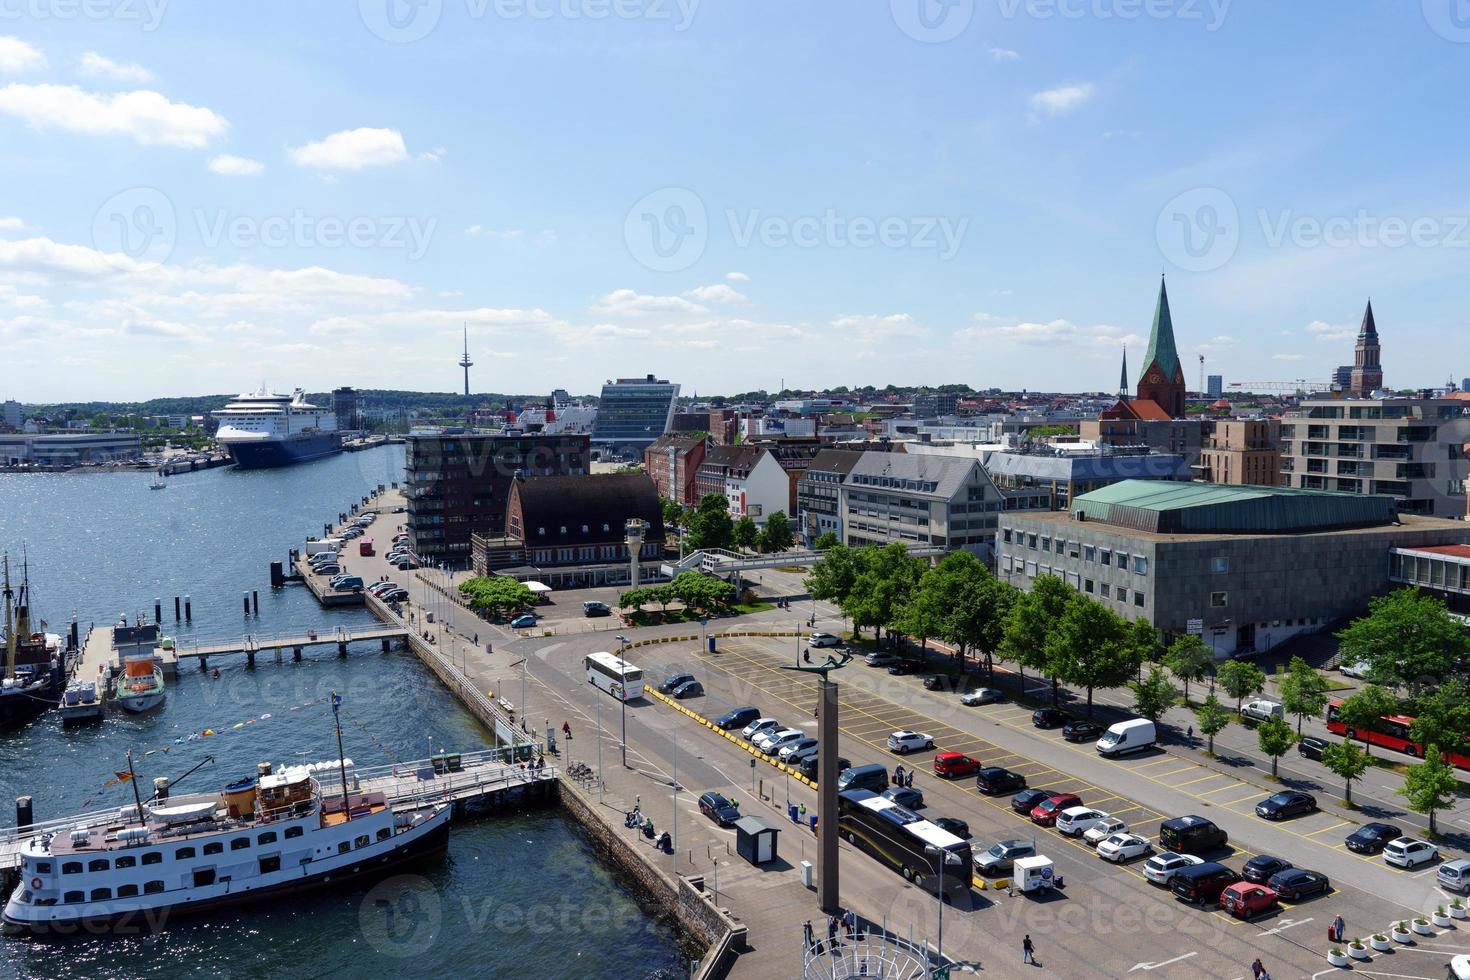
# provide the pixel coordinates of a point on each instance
(791, 812)
(813, 823)
(711, 644)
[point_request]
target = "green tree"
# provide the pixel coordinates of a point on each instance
(635, 599)
(1442, 717)
(1275, 738)
(1429, 786)
(710, 525)
(663, 595)
(1091, 647)
(1363, 713)
(833, 576)
(496, 594)
(968, 601)
(1303, 692)
(825, 540)
(1187, 659)
(776, 535)
(702, 593)
(1153, 695)
(1407, 635)
(1143, 642)
(1346, 761)
(673, 513)
(886, 578)
(745, 533)
(1031, 619)
(1239, 679)
(924, 612)
(1212, 719)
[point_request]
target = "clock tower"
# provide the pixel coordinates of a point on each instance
(1162, 380)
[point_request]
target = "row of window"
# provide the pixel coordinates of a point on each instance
(1072, 549)
(156, 857)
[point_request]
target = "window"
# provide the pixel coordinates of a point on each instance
(1046, 544)
(98, 865)
(384, 833)
(1087, 586)
(269, 837)
(72, 898)
(293, 832)
(1105, 590)
(1138, 599)
(361, 841)
(43, 867)
(184, 854)
(344, 847)
(1123, 560)
(270, 864)
(1089, 553)
(1006, 535)
(154, 887)
(71, 868)
(101, 894)
(1140, 565)
(1220, 566)
(239, 843)
(1218, 599)
(203, 877)
(214, 848)
(1031, 541)
(153, 857)
(126, 861)
(1105, 555)
(127, 891)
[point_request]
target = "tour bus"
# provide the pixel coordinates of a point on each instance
(899, 838)
(615, 676)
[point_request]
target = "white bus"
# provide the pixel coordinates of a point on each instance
(615, 676)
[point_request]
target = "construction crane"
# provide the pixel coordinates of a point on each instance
(1278, 387)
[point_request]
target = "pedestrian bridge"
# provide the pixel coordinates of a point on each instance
(717, 561)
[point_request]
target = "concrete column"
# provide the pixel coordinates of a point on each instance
(827, 751)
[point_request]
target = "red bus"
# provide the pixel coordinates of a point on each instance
(1394, 735)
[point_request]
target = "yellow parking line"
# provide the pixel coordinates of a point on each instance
(1253, 792)
(1173, 772)
(1157, 762)
(1324, 830)
(1213, 775)
(1233, 784)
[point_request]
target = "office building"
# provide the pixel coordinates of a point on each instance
(932, 404)
(1215, 385)
(347, 406)
(64, 449)
(818, 495)
(1242, 452)
(1062, 477)
(631, 414)
(13, 417)
(457, 483)
(943, 501)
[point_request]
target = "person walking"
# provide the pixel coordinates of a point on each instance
(849, 919)
(566, 729)
(1028, 951)
(898, 775)
(831, 931)
(1257, 968)
(806, 933)
(1337, 929)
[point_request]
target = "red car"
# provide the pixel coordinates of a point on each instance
(1045, 812)
(1245, 900)
(951, 765)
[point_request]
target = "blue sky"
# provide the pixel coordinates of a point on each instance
(197, 198)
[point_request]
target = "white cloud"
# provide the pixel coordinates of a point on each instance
(94, 65)
(1096, 337)
(1332, 332)
(11, 224)
(1004, 54)
(1219, 343)
(1288, 357)
(434, 155)
(352, 149)
(717, 293)
(17, 56)
(873, 327)
(1064, 98)
(630, 302)
(228, 165)
(44, 260)
(148, 117)
(737, 277)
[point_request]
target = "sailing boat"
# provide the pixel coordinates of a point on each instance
(159, 483)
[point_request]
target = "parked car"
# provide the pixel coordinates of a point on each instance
(905, 666)
(951, 765)
(771, 742)
(1294, 884)
(754, 728)
(1310, 747)
(936, 682)
(719, 809)
(809, 766)
(673, 681)
(737, 718)
(1371, 837)
(594, 608)
(327, 568)
(1191, 835)
(955, 826)
(688, 689)
(394, 595)
(801, 755)
(1026, 800)
(1260, 868)
(883, 659)
(1408, 852)
(377, 587)
(1246, 900)
(1262, 709)
(1104, 829)
(1122, 847)
(1049, 717)
(981, 695)
(1081, 730)
(823, 640)
(1290, 803)
(1454, 875)
(800, 745)
(1158, 868)
(1046, 812)
(999, 858)
(905, 796)
(1201, 884)
(524, 621)
(906, 742)
(1358, 669)
(1074, 821)
(406, 564)
(994, 780)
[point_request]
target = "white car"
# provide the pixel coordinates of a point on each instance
(1104, 829)
(1407, 852)
(1262, 709)
(823, 640)
(1459, 967)
(791, 748)
(1122, 847)
(1159, 867)
(757, 727)
(1358, 670)
(1074, 821)
(771, 743)
(906, 742)
(981, 695)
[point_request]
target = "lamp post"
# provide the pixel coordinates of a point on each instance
(827, 884)
(623, 700)
(522, 703)
(944, 857)
(600, 785)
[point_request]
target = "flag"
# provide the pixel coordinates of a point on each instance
(123, 777)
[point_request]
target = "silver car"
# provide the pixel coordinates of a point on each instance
(1001, 857)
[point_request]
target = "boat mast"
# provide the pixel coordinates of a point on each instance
(341, 758)
(9, 623)
(22, 616)
(133, 779)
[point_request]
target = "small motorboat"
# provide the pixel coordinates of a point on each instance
(140, 685)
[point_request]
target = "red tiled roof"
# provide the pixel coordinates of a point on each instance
(1448, 550)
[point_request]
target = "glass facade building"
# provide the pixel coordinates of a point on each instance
(631, 414)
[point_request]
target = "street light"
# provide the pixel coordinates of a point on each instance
(945, 857)
(623, 698)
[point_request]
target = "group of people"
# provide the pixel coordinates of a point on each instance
(635, 819)
(845, 922)
(901, 777)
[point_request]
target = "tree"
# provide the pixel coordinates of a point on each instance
(1364, 712)
(1031, 619)
(1442, 717)
(1275, 738)
(1346, 761)
(1429, 786)
(673, 513)
(496, 594)
(663, 595)
(702, 593)
(1303, 692)
(1153, 695)
(1090, 647)
(886, 578)
(1187, 659)
(825, 540)
(635, 599)
(745, 533)
(924, 613)
(1240, 678)
(777, 533)
(1406, 636)
(710, 525)
(1142, 641)
(833, 576)
(968, 602)
(1212, 719)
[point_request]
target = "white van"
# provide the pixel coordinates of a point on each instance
(324, 544)
(1262, 709)
(1133, 735)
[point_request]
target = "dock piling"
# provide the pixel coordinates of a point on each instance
(245, 601)
(203, 664)
(387, 644)
(342, 649)
(255, 601)
(176, 609)
(188, 609)
(157, 610)
(250, 658)
(296, 654)
(24, 812)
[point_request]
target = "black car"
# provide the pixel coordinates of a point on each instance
(1296, 883)
(957, 827)
(1260, 868)
(594, 608)
(1049, 718)
(1081, 731)
(935, 682)
(1310, 747)
(1372, 837)
(905, 667)
(1026, 800)
(673, 681)
(1290, 803)
(719, 809)
(809, 766)
(688, 689)
(993, 780)
(737, 718)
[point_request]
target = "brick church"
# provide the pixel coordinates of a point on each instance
(1160, 394)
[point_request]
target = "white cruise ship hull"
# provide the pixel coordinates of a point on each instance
(254, 454)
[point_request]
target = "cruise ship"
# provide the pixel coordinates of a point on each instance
(266, 429)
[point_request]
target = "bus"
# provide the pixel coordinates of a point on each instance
(897, 836)
(614, 675)
(1393, 734)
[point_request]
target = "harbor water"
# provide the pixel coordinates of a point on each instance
(515, 895)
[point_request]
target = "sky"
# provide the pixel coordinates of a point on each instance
(732, 194)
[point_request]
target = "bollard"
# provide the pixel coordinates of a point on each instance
(188, 609)
(24, 812)
(245, 601)
(176, 609)
(255, 601)
(157, 610)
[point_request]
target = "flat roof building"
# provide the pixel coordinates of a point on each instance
(63, 449)
(944, 501)
(631, 414)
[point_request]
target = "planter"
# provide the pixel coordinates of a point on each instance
(1336, 957)
(1381, 943)
(1401, 936)
(1422, 927)
(1358, 951)
(1459, 912)
(1441, 919)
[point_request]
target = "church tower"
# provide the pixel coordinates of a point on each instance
(1367, 372)
(1162, 380)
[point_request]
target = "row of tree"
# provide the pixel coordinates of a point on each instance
(497, 594)
(703, 594)
(709, 525)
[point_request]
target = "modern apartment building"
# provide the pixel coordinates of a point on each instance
(933, 404)
(1412, 449)
(947, 501)
(1242, 452)
(457, 483)
(631, 414)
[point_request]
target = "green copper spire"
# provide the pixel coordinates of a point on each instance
(1161, 342)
